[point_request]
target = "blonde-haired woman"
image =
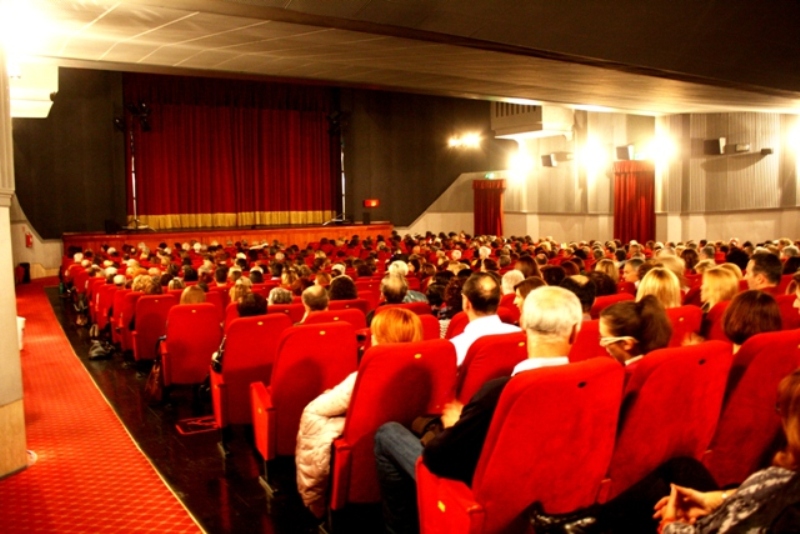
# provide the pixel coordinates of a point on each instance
(609, 267)
(662, 284)
(323, 419)
(719, 284)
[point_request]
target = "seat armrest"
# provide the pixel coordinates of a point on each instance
(264, 424)
(341, 460)
(445, 505)
(219, 398)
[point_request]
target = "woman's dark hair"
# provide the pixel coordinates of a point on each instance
(749, 313)
(791, 265)
(603, 283)
(343, 288)
(527, 266)
(570, 268)
(553, 274)
(646, 321)
(452, 296)
(690, 258)
(435, 294)
(527, 285)
(251, 305)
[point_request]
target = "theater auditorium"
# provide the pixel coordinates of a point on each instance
(399, 266)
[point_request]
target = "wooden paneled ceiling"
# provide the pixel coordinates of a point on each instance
(631, 56)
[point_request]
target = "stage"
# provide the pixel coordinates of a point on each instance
(286, 235)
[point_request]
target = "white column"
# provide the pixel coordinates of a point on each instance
(12, 416)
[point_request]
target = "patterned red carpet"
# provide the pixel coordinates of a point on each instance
(89, 476)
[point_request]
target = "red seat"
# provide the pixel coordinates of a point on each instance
(116, 308)
(123, 313)
(786, 279)
(672, 402)
(508, 300)
(193, 335)
(231, 313)
(372, 298)
(627, 287)
(692, 297)
(748, 423)
(301, 372)
(686, 320)
(250, 347)
(220, 301)
(457, 325)
(430, 327)
(359, 304)
(420, 308)
(104, 300)
(151, 324)
(294, 311)
(550, 442)
(92, 287)
(508, 315)
(353, 316)
(601, 303)
(790, 316)
(489, 357)
(712, 323)
(425, 372)
(587, 342)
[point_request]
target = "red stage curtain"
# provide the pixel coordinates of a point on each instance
(489, 212)
(634, 201)
(231, 153)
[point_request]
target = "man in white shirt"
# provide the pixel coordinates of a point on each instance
(480, 298)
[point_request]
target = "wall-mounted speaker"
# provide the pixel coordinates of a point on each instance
(714, 147)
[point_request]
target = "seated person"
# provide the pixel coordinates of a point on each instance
(552, 319)
(315, 299)
(393, 291)
(193, 295)
(751, 312)
(663, 284)
(343, 288)
(522, 289)
(629, 330)
(584, 289)
(251, 305)
(279, 295)
(764, 272)
(480, 300)
(323, 419)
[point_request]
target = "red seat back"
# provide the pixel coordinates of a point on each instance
(587, 342)
(359, 304)
(489, 357)
(105, 300)
(686, 320)
(424, 371)
(220, 301)
(748, 423)
(193, 335)
(116, 309)
(310, 359)
(457, 325)
(123, 315)
(372, 298)
(790, 316)
(786, 279)
(601, 303)
(430, 327)
(294, 311)
(712, 322)
(151, 324)
(250, 347)
(508, 300)
(627, 287)
(672, 402)
(550, 441)
(353, 316)
(231, 313)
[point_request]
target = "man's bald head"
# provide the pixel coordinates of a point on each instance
(483, 293)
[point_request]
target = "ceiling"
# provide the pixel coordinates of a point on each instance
(653, 57)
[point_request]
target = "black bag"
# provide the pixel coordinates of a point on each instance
(427, 427)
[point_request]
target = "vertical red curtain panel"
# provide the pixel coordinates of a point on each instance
(489, 212)
(634, 201)
(221, 153)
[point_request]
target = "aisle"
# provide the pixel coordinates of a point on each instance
(89, 476)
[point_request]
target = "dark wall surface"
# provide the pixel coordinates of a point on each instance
(395, 150)
(70, 167)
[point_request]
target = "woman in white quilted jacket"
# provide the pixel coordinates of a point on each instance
(323, 419)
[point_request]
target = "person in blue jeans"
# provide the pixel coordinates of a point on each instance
(551, 317)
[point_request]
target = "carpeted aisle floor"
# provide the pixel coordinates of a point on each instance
(89, 476)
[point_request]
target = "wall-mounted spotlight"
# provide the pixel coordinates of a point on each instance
(766, 151)
(471, 140)
(742, 147)
(714, 147)
(549, 160)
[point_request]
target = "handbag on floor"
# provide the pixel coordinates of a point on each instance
(154, 387)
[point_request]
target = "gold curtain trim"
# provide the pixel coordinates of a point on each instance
(227, 220)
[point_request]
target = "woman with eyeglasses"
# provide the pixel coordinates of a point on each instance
(629, 330)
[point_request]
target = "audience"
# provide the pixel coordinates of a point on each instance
(629, 330)
(764, 272)
(662, 284)
(750, 312)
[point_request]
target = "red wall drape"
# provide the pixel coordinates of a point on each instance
(489, 212)
(634, 201)
(225, 153)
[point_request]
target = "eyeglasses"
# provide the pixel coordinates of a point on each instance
(606, 341)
